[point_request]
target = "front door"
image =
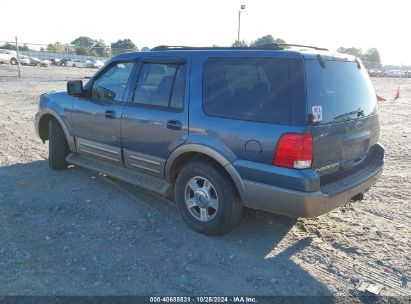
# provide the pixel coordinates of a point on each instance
(96, 119)
(155, 118)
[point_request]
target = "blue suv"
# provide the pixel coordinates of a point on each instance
(286, 129)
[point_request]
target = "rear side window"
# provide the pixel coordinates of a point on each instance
(161, 85)
(255, 89)
(340, 91)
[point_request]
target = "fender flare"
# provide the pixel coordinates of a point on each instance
(55, 115)
(210, 152)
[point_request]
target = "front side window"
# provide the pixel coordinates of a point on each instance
(161, 85)
(111, 85)
(255, 89)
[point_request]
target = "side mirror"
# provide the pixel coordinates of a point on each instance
(75, 88)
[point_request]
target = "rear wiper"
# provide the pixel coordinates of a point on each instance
(359, 112)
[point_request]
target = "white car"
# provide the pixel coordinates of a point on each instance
(393, 73)
(75, 63)
(25, 60)
(93, 63)
(8, 56)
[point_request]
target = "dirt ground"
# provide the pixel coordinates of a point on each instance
(79, 233)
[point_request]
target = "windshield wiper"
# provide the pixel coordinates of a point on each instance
(358, 113)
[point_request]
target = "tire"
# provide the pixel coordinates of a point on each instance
(13, 61)
(58, 147)
(221, 193)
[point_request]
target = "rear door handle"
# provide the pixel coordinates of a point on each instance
(110, 114)
(174, 124)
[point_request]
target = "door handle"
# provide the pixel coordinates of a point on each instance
(174, 124)
(110, 114)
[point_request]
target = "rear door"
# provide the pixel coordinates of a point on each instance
(155, 118)
(342, 111)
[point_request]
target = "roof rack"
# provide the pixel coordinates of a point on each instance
(304, 46)
(270, 46)
(273, 46)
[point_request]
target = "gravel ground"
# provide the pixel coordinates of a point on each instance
(79, 233)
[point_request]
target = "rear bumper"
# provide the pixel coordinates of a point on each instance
(311, 204)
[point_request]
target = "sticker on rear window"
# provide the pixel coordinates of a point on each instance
(317, 113)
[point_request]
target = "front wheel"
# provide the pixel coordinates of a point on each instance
(58, 147)
(207, 199)
(13, 61)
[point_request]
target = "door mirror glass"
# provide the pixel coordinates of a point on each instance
(75, 88)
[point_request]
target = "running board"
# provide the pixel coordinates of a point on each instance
(139, 179)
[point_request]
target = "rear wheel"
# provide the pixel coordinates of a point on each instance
(13, 61)
(206, 199)
(58, 147)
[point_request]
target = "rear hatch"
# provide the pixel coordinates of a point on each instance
(342, 114)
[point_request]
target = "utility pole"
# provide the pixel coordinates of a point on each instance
(239, 22)
(18, 57)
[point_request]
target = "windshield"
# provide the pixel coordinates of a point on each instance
(340, 91)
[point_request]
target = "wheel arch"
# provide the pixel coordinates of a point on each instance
(42, 127)
(190, 152)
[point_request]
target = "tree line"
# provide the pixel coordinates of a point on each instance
(84, 45)
(87, 46)
(370, 58)
(267, 39)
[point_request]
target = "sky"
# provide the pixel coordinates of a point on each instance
(361, 23)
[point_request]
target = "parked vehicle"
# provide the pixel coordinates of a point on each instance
(218, 129)
(63, 62)
(376, 73)
(54, 61)
(8, 56)
(393, 73)
(34, 60)
(24, 60)
(75, 63)
(93, 63)
(44, 63)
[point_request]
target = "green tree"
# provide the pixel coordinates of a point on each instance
(123, 45)
(372, 59)
(93, 53)
(267, 39)
(56, 48)
(82, 50)
(9, 46)
(240, 43)
(83, 41)
(351, 51)
(100, 48)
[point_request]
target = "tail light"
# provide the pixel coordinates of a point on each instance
(294, 151)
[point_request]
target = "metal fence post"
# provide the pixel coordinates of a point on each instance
(18, 57)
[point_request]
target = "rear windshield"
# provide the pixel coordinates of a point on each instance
(255, 89)
(340, 91)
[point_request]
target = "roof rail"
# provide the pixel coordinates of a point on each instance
(272, 46)
(304, 46)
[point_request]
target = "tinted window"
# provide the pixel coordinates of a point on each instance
(341, 90)
(111, 85)
(254, 89)
(161, 85)
(177, 96)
